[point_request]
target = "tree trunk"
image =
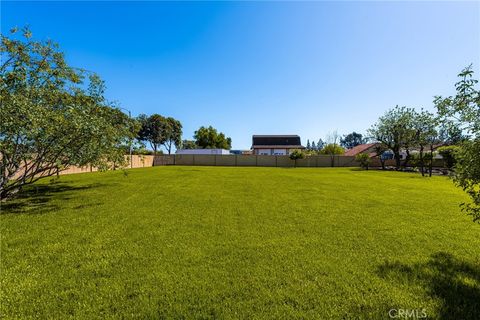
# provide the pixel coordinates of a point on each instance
(430, 167)
(382, 162)
(396, 154)
(422, 164)
(407, 158)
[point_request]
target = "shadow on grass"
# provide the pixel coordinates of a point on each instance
(37, 199)
(455, 283)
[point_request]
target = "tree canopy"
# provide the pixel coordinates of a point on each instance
(189, 144)
(352, 140)
(395, 129)
(332, 149)
(53, 115)
(158, 130)
(209, 138)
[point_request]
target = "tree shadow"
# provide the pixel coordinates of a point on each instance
(37, 199)
(359, 169)
(455, 283)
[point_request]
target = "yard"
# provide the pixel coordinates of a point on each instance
(219, 242)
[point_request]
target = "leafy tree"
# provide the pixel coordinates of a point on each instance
(152, 130)
(352, 140)
(467, 175)
(364, 160)
(426, 136)
(308, 145)
(332, 150)
(172, 131)
(52, 116)
(189, 144)
(209, 138)
(395, 130)
(296, 154)
(450, 134)
(463, 109)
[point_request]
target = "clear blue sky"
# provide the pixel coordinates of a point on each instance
(263, 67)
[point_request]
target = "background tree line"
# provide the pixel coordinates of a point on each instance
(158, 131)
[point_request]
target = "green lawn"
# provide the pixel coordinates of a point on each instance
(218, 242)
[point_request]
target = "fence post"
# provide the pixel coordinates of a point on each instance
(215, 160)
(236, 160)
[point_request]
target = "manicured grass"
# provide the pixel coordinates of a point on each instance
(213, 242)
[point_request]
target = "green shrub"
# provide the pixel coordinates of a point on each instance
(297, 154)
(448, 153)
(364, 160)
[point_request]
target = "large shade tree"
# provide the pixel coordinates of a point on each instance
(210, 138)
(52, 115)
(151, 130)
(160, 131)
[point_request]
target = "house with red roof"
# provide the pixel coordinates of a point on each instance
(368, 148)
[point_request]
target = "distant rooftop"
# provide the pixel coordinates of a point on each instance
(276, 140)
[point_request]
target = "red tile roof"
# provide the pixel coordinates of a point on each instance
(359, 149)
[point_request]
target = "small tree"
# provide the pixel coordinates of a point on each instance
(332, 150)
(296, 154)
(364, 160)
